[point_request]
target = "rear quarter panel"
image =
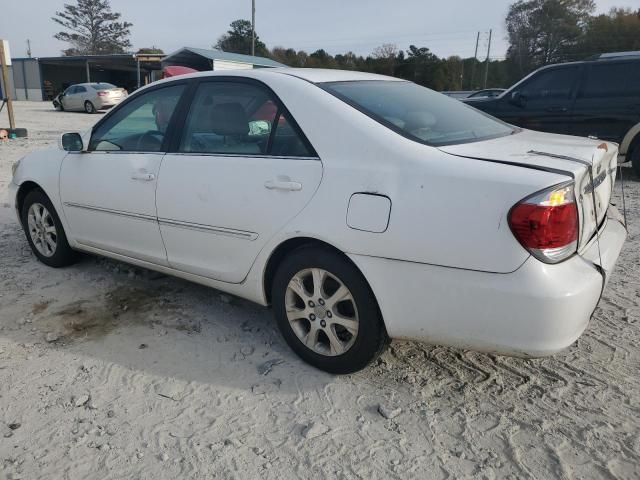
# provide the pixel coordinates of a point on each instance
(446, 210)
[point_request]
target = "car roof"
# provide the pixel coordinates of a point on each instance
(313, 75)
(601, 59)
(321, 75)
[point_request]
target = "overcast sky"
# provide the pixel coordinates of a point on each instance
(446, 27)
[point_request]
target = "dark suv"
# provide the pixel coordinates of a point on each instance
(599, 97)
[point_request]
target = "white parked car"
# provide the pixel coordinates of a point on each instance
(89, 97)
(360, 207)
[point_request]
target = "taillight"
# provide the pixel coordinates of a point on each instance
(546, 223)
(102, 94)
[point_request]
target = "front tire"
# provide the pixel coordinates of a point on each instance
(44, 231)
(89, 107)
(326, 311)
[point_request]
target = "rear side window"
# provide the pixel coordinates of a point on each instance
(102, 86)
(609, 80)
(240, 119)
(557, 84)
(80, 89)
(417, 112)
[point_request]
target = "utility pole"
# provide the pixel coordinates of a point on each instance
(6, 87)
(28, 48)
(475, 60)
(486, 72)
(253, 27)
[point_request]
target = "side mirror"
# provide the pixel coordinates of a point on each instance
(71, 142)
(518, 99)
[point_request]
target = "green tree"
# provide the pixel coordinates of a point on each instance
(618, 31)
(238, 40)
(149, 51)
(289, 56)
(92, 28)
(321, 59)
(541, 32)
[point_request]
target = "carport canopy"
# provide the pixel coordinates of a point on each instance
(203, 59)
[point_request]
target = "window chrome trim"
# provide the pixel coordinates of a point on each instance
(230, 232)
(137, 216)
(124, 152)
(242, 155)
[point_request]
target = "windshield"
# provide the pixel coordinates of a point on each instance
(103, 86)
(418, 113)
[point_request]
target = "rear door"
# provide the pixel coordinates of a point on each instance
(545, 101)
(608, 101)
(240, 171)
(79, 97)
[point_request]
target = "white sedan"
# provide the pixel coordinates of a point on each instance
(362, 208)
(89, 97)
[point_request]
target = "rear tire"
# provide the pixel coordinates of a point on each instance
(44, 231)
(58, 106)
(326, 311)
(635, 158)
(89, 107)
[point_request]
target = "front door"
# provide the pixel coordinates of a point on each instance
(108, 193)
(70, 99)
(241, 171)
(544, 101)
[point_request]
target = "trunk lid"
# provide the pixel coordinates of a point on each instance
(591, 163)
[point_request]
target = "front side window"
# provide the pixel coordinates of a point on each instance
(80, 89)
(241, 119)
(556, 84)
(140, 124)
(417, 112)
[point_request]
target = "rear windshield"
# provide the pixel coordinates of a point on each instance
(103, 86)
(419, 113)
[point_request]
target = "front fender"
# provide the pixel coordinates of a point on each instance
(43, 169)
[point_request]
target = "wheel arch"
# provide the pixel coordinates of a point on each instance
(286, 247)
(631, 140)
(24, 189)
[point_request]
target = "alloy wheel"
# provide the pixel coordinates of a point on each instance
(322, 312)
(42, 229)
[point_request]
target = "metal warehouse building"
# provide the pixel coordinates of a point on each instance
(39, 79)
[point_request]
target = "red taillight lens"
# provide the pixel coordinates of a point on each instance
(102, 94)
(546, 224)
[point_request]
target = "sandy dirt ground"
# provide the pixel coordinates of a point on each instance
(153, 377)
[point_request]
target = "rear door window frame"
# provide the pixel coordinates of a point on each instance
(182, 113)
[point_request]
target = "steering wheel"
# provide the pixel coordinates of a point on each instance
(152, 135)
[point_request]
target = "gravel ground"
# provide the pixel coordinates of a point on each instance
(111, 372)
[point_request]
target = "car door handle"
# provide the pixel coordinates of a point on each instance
(557, 109)
(143, 176)
(286, 185)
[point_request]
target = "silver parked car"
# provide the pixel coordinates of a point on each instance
(89, 97)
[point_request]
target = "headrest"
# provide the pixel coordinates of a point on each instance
(418, 120)
(229, 119)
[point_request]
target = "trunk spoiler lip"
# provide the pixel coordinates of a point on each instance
(518, 164)
(562, 157)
